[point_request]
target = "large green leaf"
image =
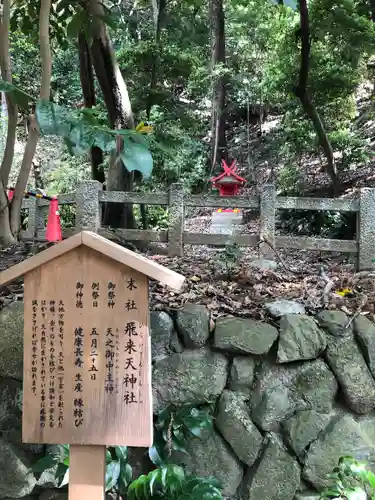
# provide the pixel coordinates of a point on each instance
(137, 157)
(52, 119)
(60, 473)
(155, 457)
(121, 452)
(65, 479)
(138, 490)
(112, 473)
(126, 474)
(20, 97)
(45, 463)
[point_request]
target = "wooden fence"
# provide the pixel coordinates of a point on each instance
(90, 197)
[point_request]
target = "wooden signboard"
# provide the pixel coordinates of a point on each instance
(87, 359)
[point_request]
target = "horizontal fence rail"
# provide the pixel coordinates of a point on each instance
(90, 198)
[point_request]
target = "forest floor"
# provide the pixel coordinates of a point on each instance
(310, 278)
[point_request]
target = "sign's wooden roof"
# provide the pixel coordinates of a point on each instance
(103, 246)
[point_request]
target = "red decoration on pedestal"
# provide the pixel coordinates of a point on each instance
(53, 231)
(228, 182)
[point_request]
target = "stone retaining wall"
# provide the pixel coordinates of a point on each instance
(292, 396)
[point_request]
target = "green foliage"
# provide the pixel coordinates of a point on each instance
(351, 480)
(229, 259)
(353, 148)
(118, 473)
(171, 483)
(173, 427)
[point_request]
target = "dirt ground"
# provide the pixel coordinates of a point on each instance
(311, 278)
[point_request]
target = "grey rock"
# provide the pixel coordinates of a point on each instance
(242, 374)
(193, 323)
(335, 322)
(175, 343)
(364, 330)
(281, 390)
(244, 336)
(307, 495)
(48, 479)
(234, 423)
(315, 386)
(11, 341)
(357, 385)
(192, 377)
(210, 455)
(344, 436)
(264, 264)
(162, 329)
(277, 476)
(277, 308)
(270, 400)
(53, 494)
(10, 404)
(16, 480)
(27, 497)
(300, 339)
(303, 428)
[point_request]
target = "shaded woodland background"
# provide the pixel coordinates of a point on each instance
(287, 89)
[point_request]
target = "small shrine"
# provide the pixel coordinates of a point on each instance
(228, 182)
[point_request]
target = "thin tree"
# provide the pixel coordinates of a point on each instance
(10, 213)
(217, 35)
(302, 92)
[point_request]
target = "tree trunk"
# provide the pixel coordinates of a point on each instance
(302, 93)
(372, 10)
(217, 33)
(6, 236)
(159, 10)
(119, 110)
(10, 105)
(89, 99)
(32, 140)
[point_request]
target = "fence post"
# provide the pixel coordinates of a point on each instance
(176, 220)
(88, 210)
(267, 220)
(366, 229)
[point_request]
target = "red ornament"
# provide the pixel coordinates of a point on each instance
(228, 182)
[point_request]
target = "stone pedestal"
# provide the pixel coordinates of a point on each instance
(225, 222)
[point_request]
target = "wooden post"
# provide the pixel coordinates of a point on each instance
(88, 212)
(267, 220)
(176, 224)
(366, 229)
(87, 472)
